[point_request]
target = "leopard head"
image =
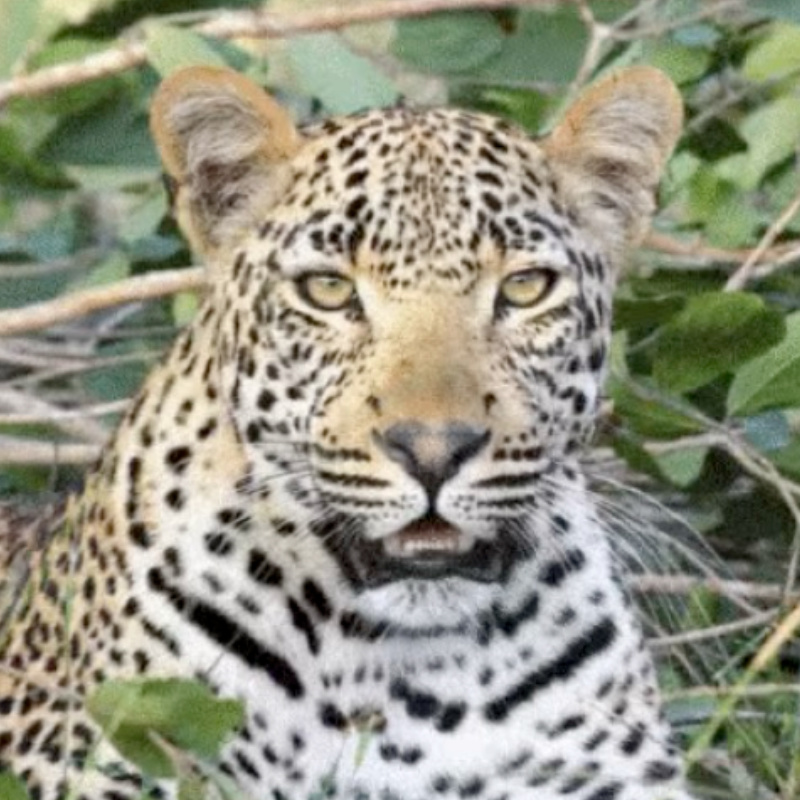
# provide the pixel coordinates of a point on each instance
(417, 304)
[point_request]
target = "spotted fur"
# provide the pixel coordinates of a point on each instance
(368, 521)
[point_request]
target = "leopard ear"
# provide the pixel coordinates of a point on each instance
(225, 145)
(610, 150)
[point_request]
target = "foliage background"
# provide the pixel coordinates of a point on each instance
(703, 407)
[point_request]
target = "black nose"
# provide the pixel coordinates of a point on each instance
(432, 454)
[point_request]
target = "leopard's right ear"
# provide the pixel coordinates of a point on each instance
(225, 145)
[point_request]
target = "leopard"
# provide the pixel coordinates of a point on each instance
(352, 494)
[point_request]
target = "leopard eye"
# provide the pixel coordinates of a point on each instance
(526, 288)
(328, 291)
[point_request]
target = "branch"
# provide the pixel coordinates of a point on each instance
(144, 287)
(698, 251)
(686, 584)
(744, 273)
(239, 25)
(18, 451)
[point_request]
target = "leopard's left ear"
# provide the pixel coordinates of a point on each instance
(225, 145)
(610, 150)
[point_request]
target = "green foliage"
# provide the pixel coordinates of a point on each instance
(183, 713)
(12, 788)
(712, 335)
(773, 379)
(347, 84)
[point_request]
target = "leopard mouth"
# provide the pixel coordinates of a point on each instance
(427, 549)
(428, 538)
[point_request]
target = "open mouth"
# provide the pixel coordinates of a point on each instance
(427, 549)
(429, 537)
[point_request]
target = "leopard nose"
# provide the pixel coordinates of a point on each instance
(432, 454)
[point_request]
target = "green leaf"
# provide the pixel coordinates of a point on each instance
(777, 54)
(343, 81)
(682, 467)
(635, 456)
(170, 48)
(683, 64)
(185, 713)
(18, 22)
(771, 132)
(773, 379)
(12, 788)
(448, 43)
(647, 416)
(116, 134)
(714, 334)
(546, 46)
(647, 312)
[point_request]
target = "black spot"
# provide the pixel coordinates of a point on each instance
(138, 534)
(472, 788)
(246, 765)
(554, 572)
(607, 792)
(178, 458)
(331, 717)
(302, 622)
(451, 717)
(262, 570)
(633, 741)
(420, 705)
(316, 598)
(175, 499)
(266, 399)
(355, 206)
(356, 178)
(218, 543)
(659, 771)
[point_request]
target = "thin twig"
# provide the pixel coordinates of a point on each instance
(18, 451)
(713, 632)
(762, 690)
(699, 251)
(55, 415)
(144, 287)
(742, 275)
(686, 584)
(239, 25)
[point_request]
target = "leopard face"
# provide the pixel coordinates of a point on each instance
(416, 320)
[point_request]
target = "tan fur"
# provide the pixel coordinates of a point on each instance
(614, 142)
(219, 134)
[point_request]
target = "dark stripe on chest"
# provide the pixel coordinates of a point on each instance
(578, 651)
(234, 639)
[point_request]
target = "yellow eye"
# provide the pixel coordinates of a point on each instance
(327, 290)
(526, 288)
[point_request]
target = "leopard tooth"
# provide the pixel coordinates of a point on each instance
(417, 545)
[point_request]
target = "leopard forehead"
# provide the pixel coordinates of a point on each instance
(415, 197)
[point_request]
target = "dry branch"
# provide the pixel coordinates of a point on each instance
(239, 25)
(144, 287)
(19, 451)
